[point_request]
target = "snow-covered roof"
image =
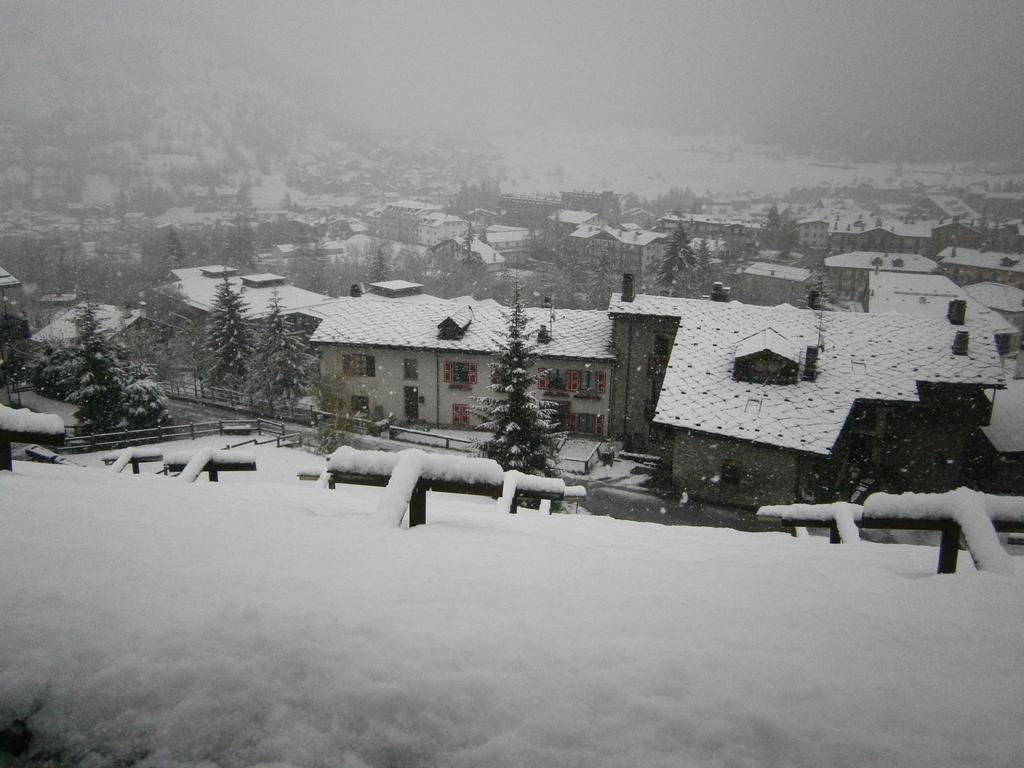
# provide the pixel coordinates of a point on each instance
(971, 257)
(781, 271)
(887, 262)
(865, 356)
(952, 206)
(111, 320)
(396, 285)
(625, 236)
(1006, 429)
(568, 216)
(7, 280)
(198, 290)
(575, 334)
(928, 296)
(1002, 298)
(437, 218)
(768, 339)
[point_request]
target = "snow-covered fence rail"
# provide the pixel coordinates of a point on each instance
(407, 475)
(127, 437)
(20, 425)
(189, 464)
(421, 436)
(840, 517)
(133, 456)
(977, 516)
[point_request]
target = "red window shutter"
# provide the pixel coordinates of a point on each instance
(472, 373)
(602, 382)
(572, 422)
(573, 377)
(542, 378)
(448, 371)
(599, 425)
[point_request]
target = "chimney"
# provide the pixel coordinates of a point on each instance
(719, 292)
(628, 287)
(960, 343)
(355, 291)
(543, 335)
(957, 312)
(811, 364)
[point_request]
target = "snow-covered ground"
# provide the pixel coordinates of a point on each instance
(265, 621)
(649, 162)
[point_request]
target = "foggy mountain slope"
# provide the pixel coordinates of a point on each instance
(187, 93)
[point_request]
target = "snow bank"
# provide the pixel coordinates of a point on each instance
(26, 421)
(968, 508)
(155, 623)
(845, 515)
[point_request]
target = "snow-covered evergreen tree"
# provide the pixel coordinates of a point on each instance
(519, 422)
(229, 342)
(677, 265)
(281, 366)
(145, 404)
(52, 371)
(380, 267)
(602, 280)
(96, 371)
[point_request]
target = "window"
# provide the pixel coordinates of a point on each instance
(409, 370)
(358, 365)
(552, 378)
(460, 413)
(588, 382)
(588, 423)
(458, 373)
(360, 404)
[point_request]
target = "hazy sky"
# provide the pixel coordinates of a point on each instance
(677, 63)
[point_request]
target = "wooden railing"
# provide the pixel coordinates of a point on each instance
(83, 443)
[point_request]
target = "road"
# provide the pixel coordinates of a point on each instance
(644, 506)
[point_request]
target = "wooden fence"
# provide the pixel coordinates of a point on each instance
(82, 443)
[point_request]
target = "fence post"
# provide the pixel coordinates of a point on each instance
(192, 430)
(259, 426)
(220, 426)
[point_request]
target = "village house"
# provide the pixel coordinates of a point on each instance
(438, 226)
(1007, 300)
(527, 211)
(513, 243)
(937, 296)
(769, 284)
(431, 362)
(777, 405)
(813, 232)
(636, 251)
(970, 265)
(848, 272)
(400, 220)
(195, 288)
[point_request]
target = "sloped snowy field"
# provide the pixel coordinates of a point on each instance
(152, 622)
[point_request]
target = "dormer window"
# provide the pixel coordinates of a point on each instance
(766, 357)
(454, 326)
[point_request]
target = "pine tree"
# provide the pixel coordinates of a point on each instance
(521, 424)
(145, 403)
(678, 263)
(174, 251)
(96, 368)
(380, 267)
(281, 365)
(602, 279)
(228, 343)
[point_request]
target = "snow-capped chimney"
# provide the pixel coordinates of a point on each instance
(811, 363)
(957, 311)
(960, 342)
(355, 291)
(543, 335)
(720, 292)
(628, 287)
